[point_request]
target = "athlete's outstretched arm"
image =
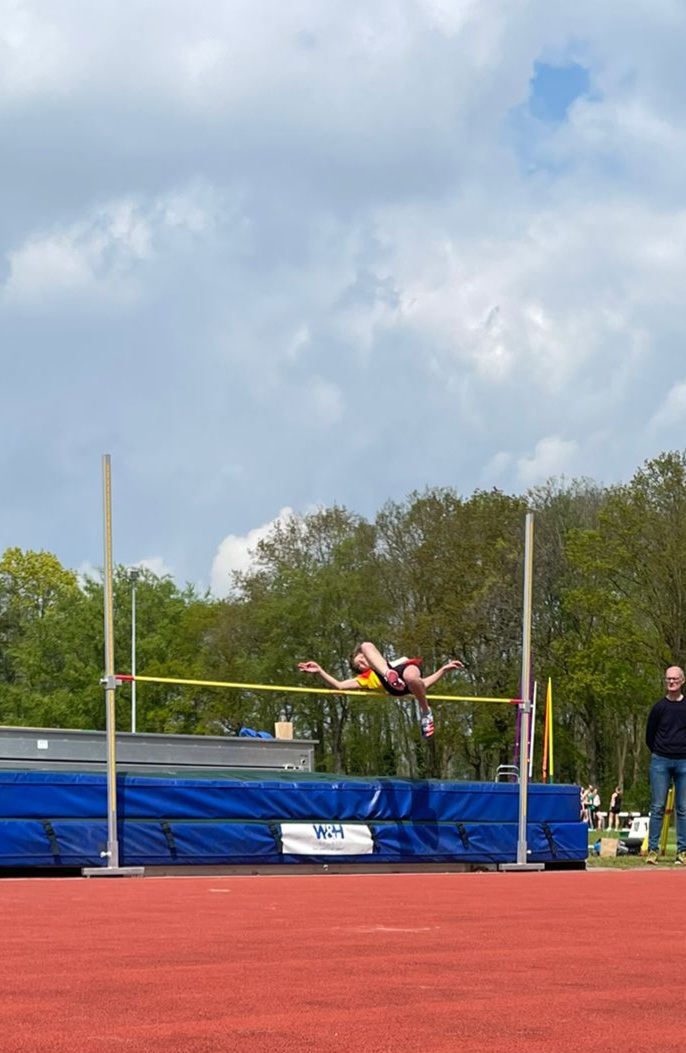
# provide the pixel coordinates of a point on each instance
(433, 678)
(338, 685)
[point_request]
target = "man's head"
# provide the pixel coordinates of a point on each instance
(674, 679)
(358, 662)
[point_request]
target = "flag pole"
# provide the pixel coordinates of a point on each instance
(533, 731)
(550, 729)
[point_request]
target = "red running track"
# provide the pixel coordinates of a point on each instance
(422, 963)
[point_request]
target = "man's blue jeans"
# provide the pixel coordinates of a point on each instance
(663, 772)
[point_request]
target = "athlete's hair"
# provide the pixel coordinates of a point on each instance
(355, 653)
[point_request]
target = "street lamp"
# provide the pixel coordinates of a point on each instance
(134, 574)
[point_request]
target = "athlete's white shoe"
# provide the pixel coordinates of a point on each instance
(427, 724)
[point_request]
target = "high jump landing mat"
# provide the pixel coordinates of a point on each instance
(59, 819)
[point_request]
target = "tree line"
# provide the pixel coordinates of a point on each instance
(437, 575)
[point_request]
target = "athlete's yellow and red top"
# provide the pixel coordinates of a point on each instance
(369, 679)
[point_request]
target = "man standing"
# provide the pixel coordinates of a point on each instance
(666, 740)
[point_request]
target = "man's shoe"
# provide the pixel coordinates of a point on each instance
(653, 858)
(394, 680)
(427, 724)
(680, 859)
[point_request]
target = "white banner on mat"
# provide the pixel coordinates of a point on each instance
(326, 839)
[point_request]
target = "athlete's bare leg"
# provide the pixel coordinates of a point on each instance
(375, 659)
(415, 684)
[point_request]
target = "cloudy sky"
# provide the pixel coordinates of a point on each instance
(272, 255)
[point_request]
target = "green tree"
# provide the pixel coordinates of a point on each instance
(43, 663)
(173, 626)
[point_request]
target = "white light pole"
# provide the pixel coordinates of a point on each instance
(134, 574)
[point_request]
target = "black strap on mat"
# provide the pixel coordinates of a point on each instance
(49, 832)
(550, 839)
(275, 831)
(169, 834)
(464, 836)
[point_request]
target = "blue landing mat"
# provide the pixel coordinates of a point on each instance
(59, 819)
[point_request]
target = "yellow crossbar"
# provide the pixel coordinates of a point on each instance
(360, 695)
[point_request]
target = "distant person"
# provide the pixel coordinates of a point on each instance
(613, 820)
(666, 740)
(398, 678)
(597, 818)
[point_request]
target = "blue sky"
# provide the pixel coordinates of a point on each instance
(274, 256)
(553, 89)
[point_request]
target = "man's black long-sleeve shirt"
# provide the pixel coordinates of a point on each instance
(666, 729)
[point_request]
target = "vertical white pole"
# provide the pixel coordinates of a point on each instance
(133, 653)
(533, 731)
(525, 704)
(110, 684)
(109, 680)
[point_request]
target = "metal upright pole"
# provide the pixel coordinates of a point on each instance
(525, 705)
(109, 682)
(133, 658)
(133, 578)
(110, 686)
(525, 692)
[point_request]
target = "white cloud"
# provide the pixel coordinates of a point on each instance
(87, 571)
(554, 306)
(672, 410)
(496, 468)
(324, 401)
(235, 553)
(552, 456)
(301, 340)
(97, 256)
(35, 52)
(157, 565)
